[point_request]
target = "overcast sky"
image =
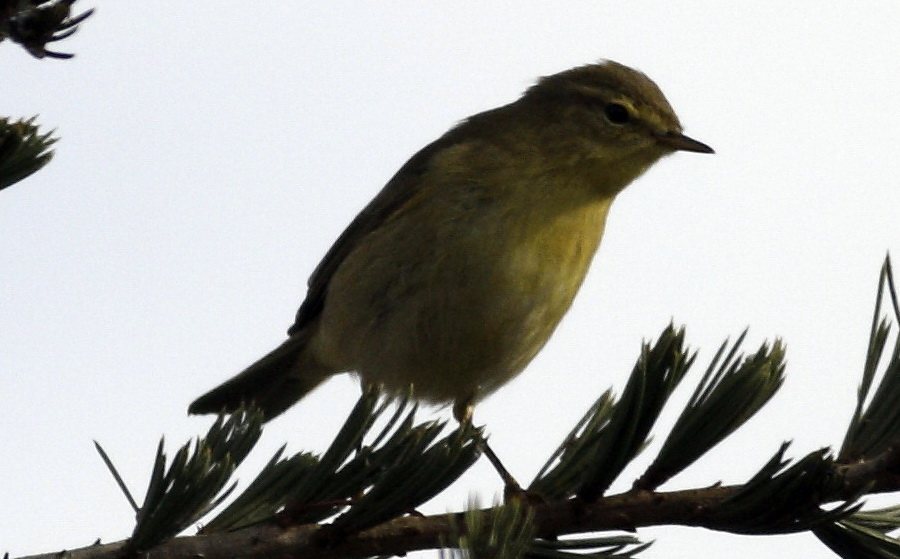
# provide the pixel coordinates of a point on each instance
(211, 153)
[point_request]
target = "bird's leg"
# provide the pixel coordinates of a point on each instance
(462, 411)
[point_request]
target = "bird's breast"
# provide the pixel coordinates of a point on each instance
(457, 303)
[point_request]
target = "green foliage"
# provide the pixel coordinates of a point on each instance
(401, 468)
(612, 433)
(725, 399)
(414, 475)
(369, 478)
(863, 535)
(505, 531)
(34, 23)
(872, 438)
(619, 547)
(875, 425)
(783, 498)
(192, 485)
(565, 469)
(854, 541)
(23, 150)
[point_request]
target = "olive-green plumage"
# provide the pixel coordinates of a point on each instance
(457, 273)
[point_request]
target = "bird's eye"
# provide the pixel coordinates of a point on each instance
(616, 113)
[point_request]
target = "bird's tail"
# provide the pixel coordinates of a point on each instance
(274, 383)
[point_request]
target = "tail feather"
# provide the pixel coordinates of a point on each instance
(274, 383)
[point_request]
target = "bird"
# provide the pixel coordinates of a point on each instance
(450, 281)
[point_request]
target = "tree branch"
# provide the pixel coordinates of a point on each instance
(881, 471)
(626, 511)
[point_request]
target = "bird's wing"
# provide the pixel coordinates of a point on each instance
(402, 187)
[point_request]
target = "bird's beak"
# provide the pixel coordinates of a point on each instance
(679, 142)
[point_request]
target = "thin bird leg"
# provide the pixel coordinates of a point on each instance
(512, 486)
(463, 412)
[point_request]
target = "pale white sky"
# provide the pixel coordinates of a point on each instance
(210, 154)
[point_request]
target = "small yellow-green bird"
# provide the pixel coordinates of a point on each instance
(453, 278)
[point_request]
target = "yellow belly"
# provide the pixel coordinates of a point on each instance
(465, 307)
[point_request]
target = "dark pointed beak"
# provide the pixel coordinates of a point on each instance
(679, 142)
